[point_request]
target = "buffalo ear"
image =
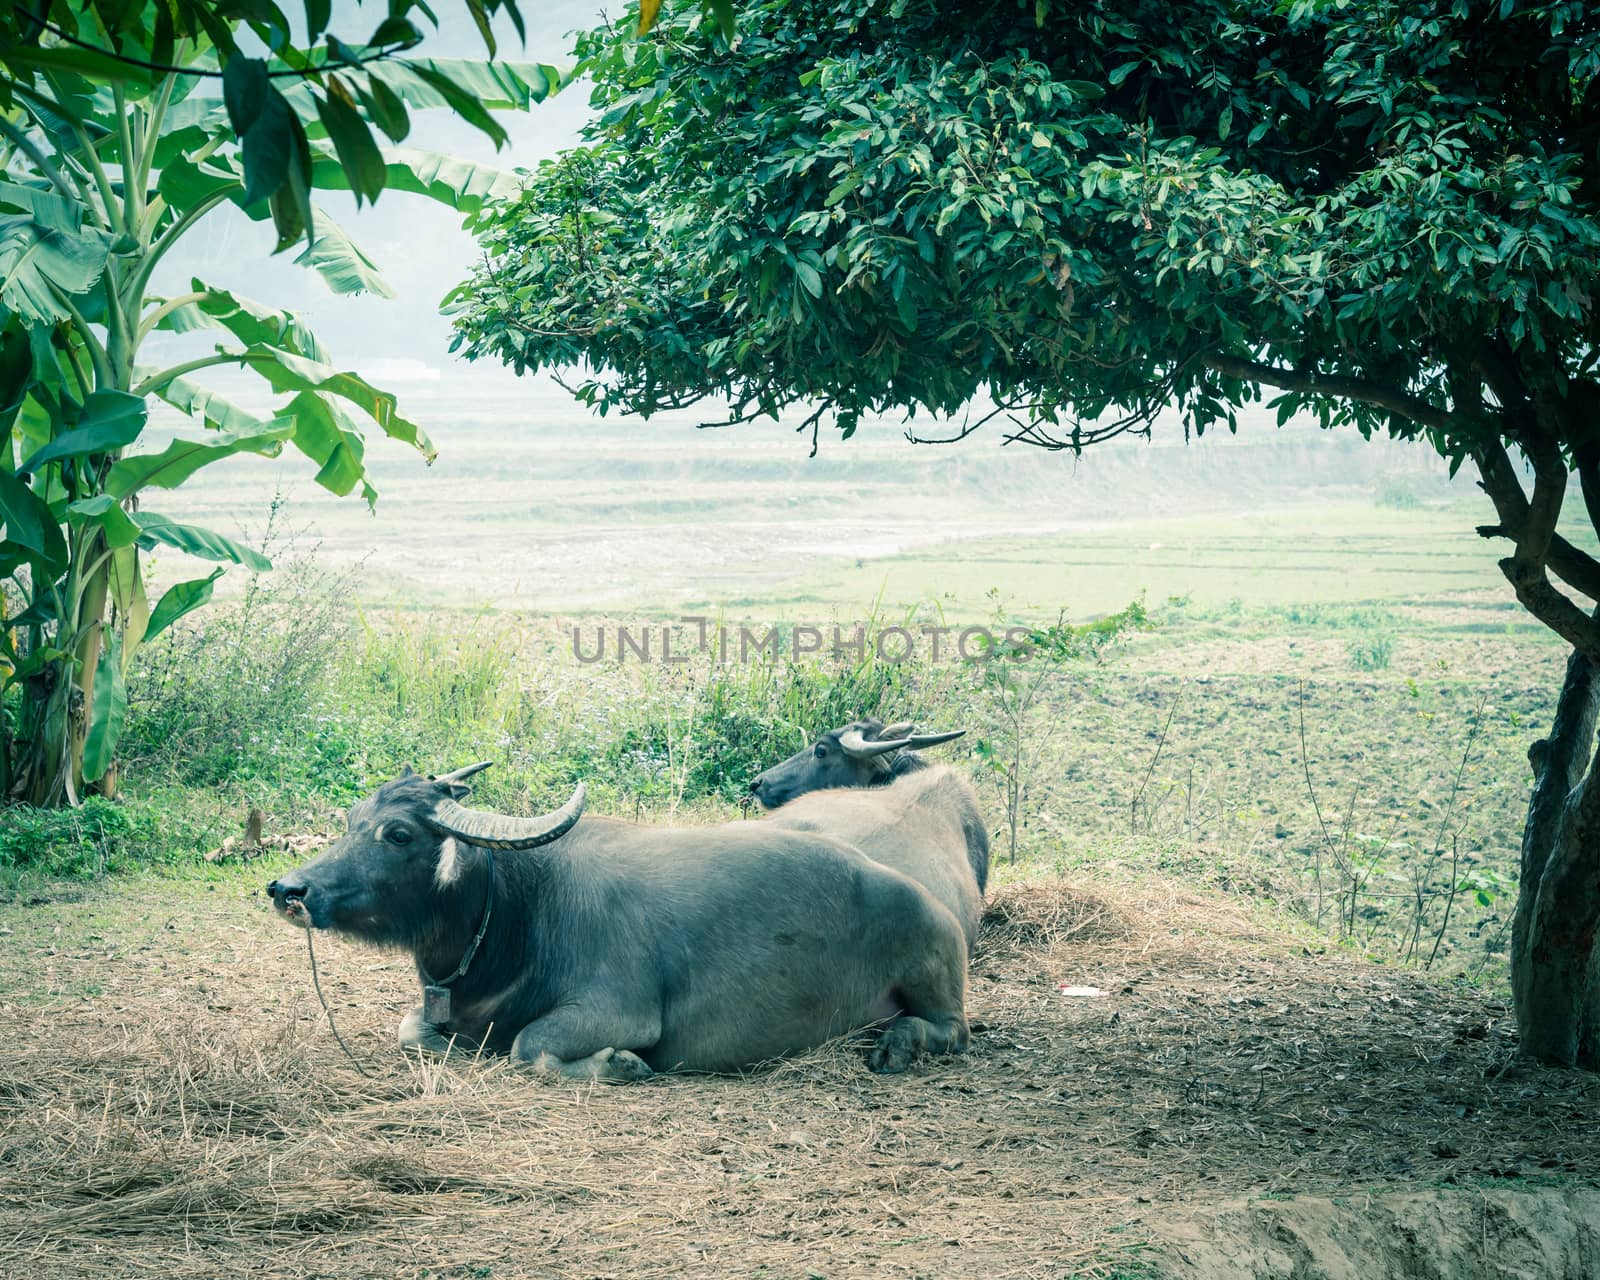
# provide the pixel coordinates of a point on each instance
(408, 772)
(452, 788)
(455, 782)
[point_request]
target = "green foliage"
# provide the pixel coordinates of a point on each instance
(1330, 617)
(97, 837)
(743, 718)
(1063, 641)
(114, 148)
(244, 698)
(1012, 687)
(422, 692)
(1372, 651)
(284, 693)
(886, 206)
(287, 112)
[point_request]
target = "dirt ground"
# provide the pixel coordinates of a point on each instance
(1546, 1233)
(172, 1104)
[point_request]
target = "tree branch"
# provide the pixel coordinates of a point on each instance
(1499, 480)
(1532, 523)
(1573, 565)
(1544, 508)
(1394, 399)
(1540, 598)
(967, 428)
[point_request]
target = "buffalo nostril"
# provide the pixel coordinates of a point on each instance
(282, 893)
(755, 785)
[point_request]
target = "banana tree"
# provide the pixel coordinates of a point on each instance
(116, 145)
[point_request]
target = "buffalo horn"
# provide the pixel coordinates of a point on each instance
(502, 831)
(465, 772)
(920, 740)
(853, 744)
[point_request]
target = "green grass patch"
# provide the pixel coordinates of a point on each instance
(97, 837)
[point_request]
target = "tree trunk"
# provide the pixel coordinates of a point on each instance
(42, 749)
(46, 751)
(1555, 964)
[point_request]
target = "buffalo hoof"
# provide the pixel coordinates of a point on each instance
(897, 1048)
(624, 1067)
(420, 1037)
(613, 1066)
(431, 1046)
(908, 1038)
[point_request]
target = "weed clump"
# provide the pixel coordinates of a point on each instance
(1372, 652)
(98, 836)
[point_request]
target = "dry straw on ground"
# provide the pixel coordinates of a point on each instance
(173, 1106)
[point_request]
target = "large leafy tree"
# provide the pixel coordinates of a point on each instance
(1384, 213)
(123, 127)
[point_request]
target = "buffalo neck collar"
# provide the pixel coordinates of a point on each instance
(477, 941)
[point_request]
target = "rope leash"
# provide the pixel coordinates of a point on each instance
(316, 982)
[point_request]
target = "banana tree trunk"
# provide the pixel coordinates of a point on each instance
(46, 754)
(43, 748)
(1555, 963)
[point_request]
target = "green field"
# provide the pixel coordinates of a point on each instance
(1335, 554)
(539, 512)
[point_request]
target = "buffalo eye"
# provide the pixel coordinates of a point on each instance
(398, 835)
(821, 751)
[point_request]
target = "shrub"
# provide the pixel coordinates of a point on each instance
(1396, 495)
(753, 716)
(98, 836)
(244, 694)
(429, 691)
(1372, 651)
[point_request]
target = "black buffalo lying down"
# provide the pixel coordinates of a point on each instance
(606, 950)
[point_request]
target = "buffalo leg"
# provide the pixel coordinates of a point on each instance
(934, 998)
(908, 1038)
(583, 1041)
(615, 1065)
(417, 1033)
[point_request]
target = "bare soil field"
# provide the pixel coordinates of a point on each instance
(172, 1104)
